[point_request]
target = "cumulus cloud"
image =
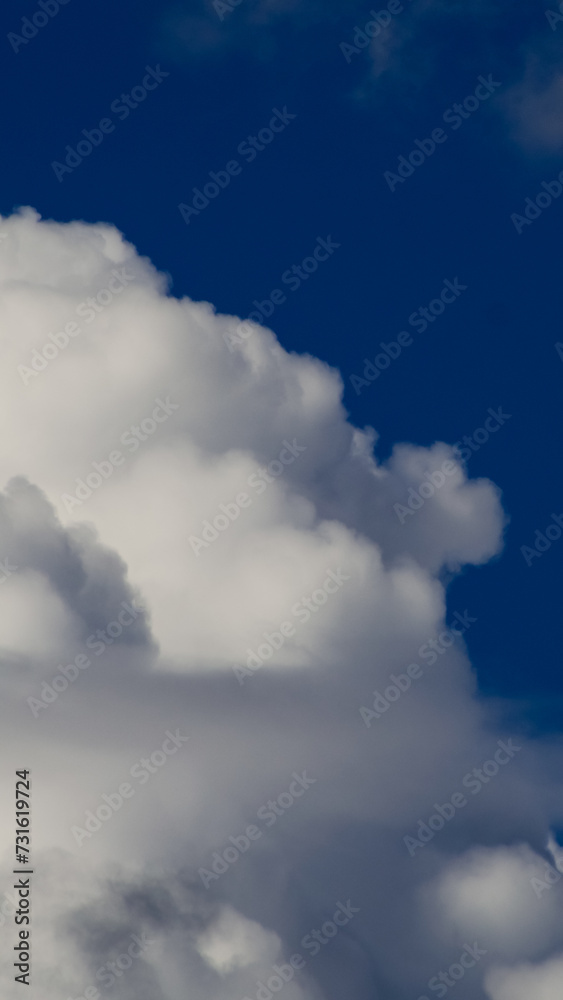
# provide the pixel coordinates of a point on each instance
(172, 510)
(489, 893)
(541, 981)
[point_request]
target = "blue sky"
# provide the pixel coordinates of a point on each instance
(457, 217)
(324, 175)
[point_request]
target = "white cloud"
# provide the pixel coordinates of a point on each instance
(543, 982)
(488, 892)
(332, 509)
(233, 942)
(234, 413)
